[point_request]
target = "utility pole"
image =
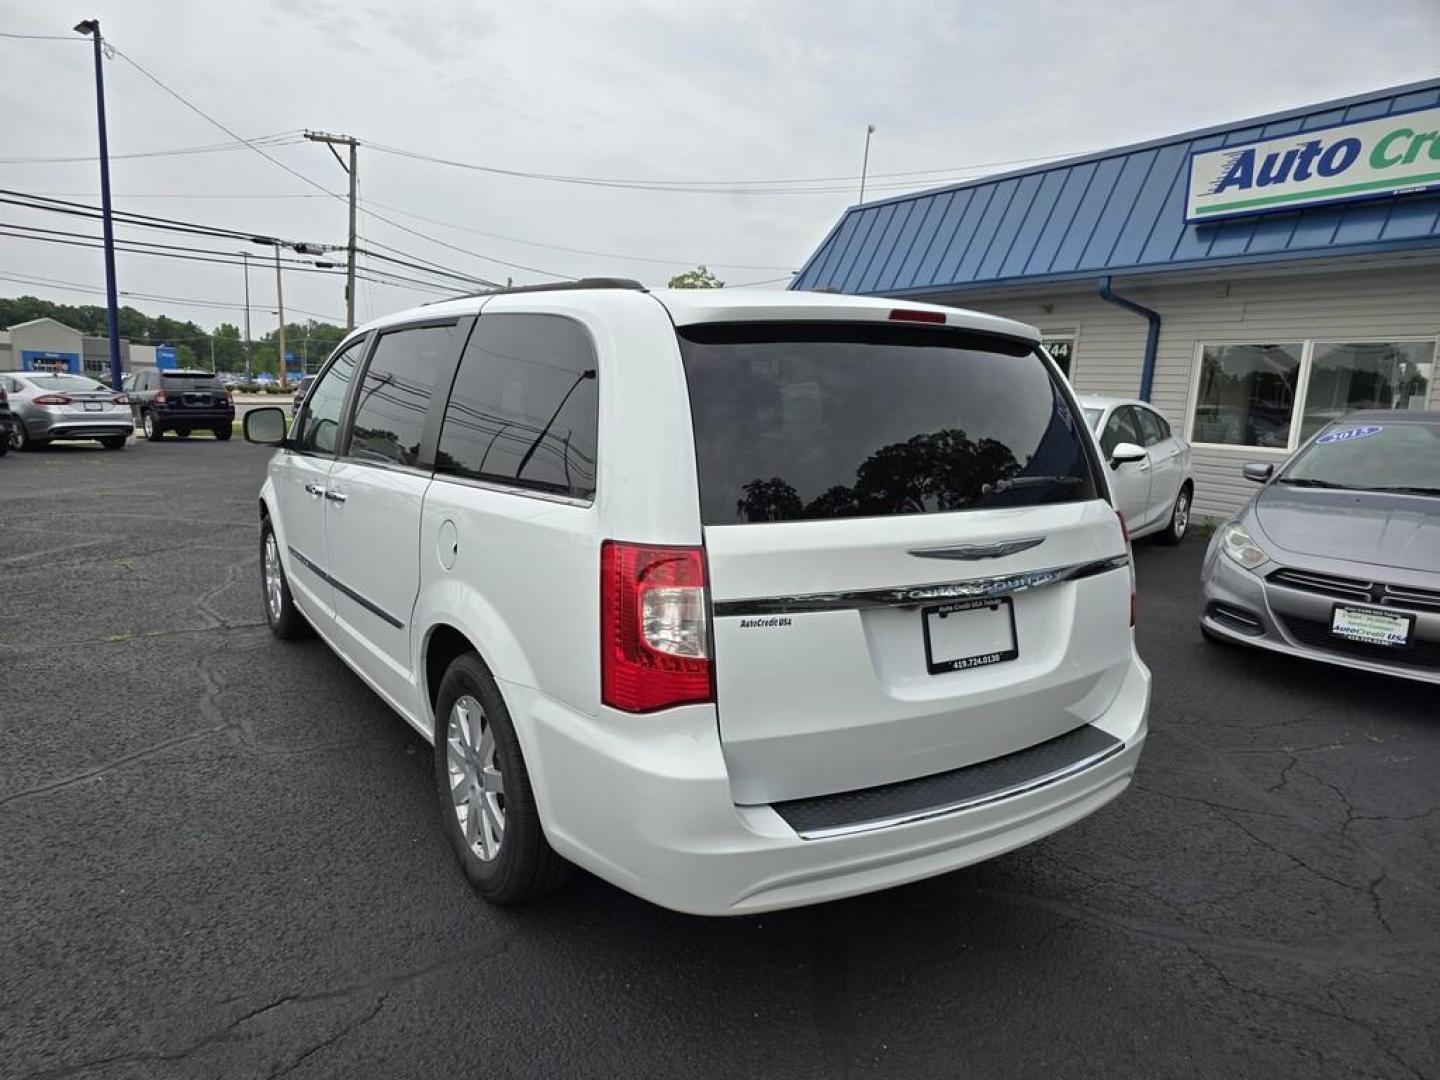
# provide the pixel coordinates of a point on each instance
(865, 164)
(246, 256)
(331, 141)
(91, 28)
(280, 305)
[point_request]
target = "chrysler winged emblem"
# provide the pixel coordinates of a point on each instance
(971, 552)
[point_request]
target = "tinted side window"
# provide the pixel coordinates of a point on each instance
(320, 420)
(395, 393)
(1152, 427)
(1121, 427)
(524, 405)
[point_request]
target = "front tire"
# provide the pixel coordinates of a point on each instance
(113, 442)
(1179, 523)
(284, 617)
(153, 431)
(20, 437)
(487, 806)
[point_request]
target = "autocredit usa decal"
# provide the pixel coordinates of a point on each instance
(1348, 434)
(1365, 160)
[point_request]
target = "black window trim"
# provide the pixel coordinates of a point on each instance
(424, 465)
(519, 487)
(365, 341)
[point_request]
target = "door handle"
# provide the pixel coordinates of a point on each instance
(315, 489)
(1145, 467)
(335, 496)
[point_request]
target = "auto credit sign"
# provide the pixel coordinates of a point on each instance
(1365, 160)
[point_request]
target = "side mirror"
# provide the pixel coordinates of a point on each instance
(1124, 453)
(1258, 471)
(265, 426)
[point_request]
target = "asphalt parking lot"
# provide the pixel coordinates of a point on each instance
(219, 856)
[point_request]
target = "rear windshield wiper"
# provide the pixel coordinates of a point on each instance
(1026, 481)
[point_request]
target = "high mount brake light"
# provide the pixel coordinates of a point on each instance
(654, 627)
(916, 315)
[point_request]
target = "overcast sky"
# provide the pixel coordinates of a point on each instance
(679, 91)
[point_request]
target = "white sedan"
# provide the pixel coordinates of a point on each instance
(1149, 466)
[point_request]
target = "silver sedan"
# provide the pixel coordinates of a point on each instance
(1337, 557)
(50, 406)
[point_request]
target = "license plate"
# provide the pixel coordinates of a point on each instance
(969, 634)
(1370, 626)
(93, 406)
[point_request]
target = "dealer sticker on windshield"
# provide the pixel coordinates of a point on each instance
(1347, 434)
(1370, 627)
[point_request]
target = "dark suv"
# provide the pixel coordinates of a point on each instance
(182, 402)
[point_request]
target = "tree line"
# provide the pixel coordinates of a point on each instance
(221, 349)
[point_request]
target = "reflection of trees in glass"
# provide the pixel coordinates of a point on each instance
(944, 470)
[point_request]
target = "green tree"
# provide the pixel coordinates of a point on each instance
(699, 278)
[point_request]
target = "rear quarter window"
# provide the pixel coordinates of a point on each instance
(800, 422)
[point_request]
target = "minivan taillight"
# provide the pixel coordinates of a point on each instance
(1130, 551)
(654, 627)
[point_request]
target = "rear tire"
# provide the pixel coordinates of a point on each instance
(19, 437)
(284, 617)
(182, 433)
(153, 431)
(223, 433)
(1179, 523)
(113, 442)
(487, 806)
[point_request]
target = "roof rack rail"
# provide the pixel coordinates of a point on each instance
(559, 286)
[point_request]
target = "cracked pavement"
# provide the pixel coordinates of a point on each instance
(219, 856)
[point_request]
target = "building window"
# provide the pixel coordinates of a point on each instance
(1365, 375)
(1061, 348)
(1277, 396)
(1247, 395)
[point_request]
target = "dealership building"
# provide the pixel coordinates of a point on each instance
(1253, 280)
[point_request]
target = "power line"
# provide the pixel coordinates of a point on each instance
(279, 139)
(187, 301)
(379, 277)
(728, 186)
(39, 37)
(129, 218)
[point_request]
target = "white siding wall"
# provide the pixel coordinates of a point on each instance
(1110, 342)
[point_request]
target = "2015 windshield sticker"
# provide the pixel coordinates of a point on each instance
(1348, 434)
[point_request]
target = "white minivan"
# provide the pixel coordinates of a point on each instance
(739, 600)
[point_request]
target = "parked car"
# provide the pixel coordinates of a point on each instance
(50, 405)
(181, 401)
(1337, 556)
(301, 389)
(740, 600)
(6, 417)
(1150, 466)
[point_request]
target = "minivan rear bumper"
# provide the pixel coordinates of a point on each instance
(645, 803)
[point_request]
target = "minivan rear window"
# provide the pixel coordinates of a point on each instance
(807, 421)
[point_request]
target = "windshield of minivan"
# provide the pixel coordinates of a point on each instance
(807, 421)
(1374, 455)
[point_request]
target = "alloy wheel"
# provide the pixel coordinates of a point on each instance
(1182, 514)
(148, 423)
(17, 435)
(477, 788)
(274, 579)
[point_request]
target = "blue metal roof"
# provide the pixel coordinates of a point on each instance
(1117, 212)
